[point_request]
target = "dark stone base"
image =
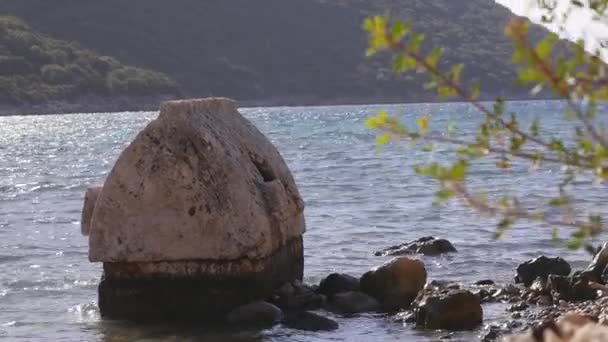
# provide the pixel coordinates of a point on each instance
(194, 290)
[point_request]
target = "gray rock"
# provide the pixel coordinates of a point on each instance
(309, 321)
(198, 216)
(427, 245)
(449, 309)
(256, 314)
(354, 303)
(396, 283)
(541, 267)
(598, 265)
(336, 283)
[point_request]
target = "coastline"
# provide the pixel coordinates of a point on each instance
(97, 104)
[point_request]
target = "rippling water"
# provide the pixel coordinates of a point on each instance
(357, 201)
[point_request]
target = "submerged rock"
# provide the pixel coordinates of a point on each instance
(198, 216)
(256, 314)
(541, 267)
(337, 283)
(396, 283)
(448, 309)
(309, 321)
(427, 245)
(354, 303)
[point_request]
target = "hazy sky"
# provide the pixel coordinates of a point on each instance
(579, 25)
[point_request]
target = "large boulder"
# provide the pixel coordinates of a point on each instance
(199, 215)
(448, 309)
(542, 267)
(396, 283)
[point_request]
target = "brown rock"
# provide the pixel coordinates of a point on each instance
(396, 283)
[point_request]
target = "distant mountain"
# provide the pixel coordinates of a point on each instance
(37, 70)
(279, 51)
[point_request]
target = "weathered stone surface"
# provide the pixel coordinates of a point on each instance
(256, 314)
(448, 309)
(199, 290)
(90, 199)
(309, 321)
(428, 245)
(396, 283)
(337, 283)
(198, 183)
(353, 303)
(541, 267)
(198, 216)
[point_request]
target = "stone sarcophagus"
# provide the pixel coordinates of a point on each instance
(200, 214)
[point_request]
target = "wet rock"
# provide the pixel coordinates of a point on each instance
(427, 245)
(574, 288)
(521, 306)
(449, 309)
(294, 296)
(596, 269)
(198, 216)
(256, 314)
(541, 267)
(354, 303)
(336, 283)
(492, 334)
(309, 321)
(539, 286)
(484, 282)
(396, 283)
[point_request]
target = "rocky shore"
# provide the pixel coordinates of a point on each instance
(201, 220)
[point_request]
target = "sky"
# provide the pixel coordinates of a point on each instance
(580, 24)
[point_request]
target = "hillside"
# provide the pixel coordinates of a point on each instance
(36, 70)
(278, 51)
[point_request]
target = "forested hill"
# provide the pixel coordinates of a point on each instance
(278, 51)
(36, 70)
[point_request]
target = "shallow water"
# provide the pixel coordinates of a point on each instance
(357, 201)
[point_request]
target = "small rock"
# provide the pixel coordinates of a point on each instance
(574, 288)
(336, 283)
(309, 321)
(485, 282)
(354, 303)
(598, 265)
(297, 296)
(258, 314)
(544, 300)
(427, 245)
(541, 267)
(518, 307)
(450, 309)
(491, 335)
(396, 283)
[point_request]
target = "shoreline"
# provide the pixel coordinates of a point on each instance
(99, 105)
